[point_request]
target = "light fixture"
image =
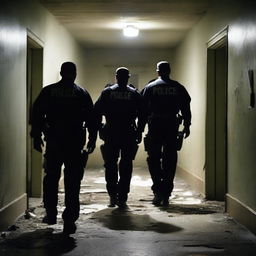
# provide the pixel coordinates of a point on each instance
(131, 31)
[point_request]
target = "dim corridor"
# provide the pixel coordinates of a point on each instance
(190, 225)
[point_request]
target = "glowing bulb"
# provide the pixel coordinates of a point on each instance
(130, 31)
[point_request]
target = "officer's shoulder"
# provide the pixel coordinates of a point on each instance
(175, 82)
(182, 87)
(151, 83)
(131, 89)
(113, 87)
(108, 89)
(81, 90)
(49, 87)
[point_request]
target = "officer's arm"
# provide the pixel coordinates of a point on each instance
(38, 120)
(186, 112)
(90, 123)
(99, 109)
(143, 118)
(142, 114)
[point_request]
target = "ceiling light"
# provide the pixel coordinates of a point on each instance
(131, 31)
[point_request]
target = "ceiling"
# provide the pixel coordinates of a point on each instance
(99, 23)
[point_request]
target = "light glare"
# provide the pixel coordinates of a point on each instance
(130, 31)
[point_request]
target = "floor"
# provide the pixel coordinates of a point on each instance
(189, 226)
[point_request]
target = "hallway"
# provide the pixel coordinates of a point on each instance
(211, 46)
(189, 226)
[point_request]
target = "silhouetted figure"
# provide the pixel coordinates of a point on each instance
(62, 112)
(164, 99)
(121, 105)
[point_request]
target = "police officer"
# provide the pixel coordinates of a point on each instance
(121, 105)
(61, 113)
(164, 99)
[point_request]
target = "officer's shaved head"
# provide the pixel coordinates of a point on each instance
(163, 68)
(122, 76)
(122, 71)
(68, 71)
(68, 67)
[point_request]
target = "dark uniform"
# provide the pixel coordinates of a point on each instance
(62, 112)
(164, 99)
(121, 106)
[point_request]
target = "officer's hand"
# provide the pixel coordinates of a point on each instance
(186, 131)
(90, 147)
(38, 144)
(138, 137)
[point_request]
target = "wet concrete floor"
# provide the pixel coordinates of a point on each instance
(189, 226)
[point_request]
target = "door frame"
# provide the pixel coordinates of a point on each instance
(212, 187)
(34, 85)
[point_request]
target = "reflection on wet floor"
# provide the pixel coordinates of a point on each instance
(117, 219)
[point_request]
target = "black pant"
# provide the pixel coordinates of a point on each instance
(119, 187)
(56, 155)
(162, 161)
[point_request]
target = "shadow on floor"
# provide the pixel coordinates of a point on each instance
(41, 242)
(117, 219)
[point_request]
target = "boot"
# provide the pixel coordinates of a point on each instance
(157, 200)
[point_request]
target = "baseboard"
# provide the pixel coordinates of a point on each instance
(12, 211)
(196, 183)
(241, 212)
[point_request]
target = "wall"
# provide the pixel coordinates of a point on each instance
(190, 69)
(242, 118)
(104, 62)
(15, 18)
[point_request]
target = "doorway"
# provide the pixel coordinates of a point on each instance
(216, 118)
(34, 85)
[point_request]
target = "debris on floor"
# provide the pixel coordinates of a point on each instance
(189, 226)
